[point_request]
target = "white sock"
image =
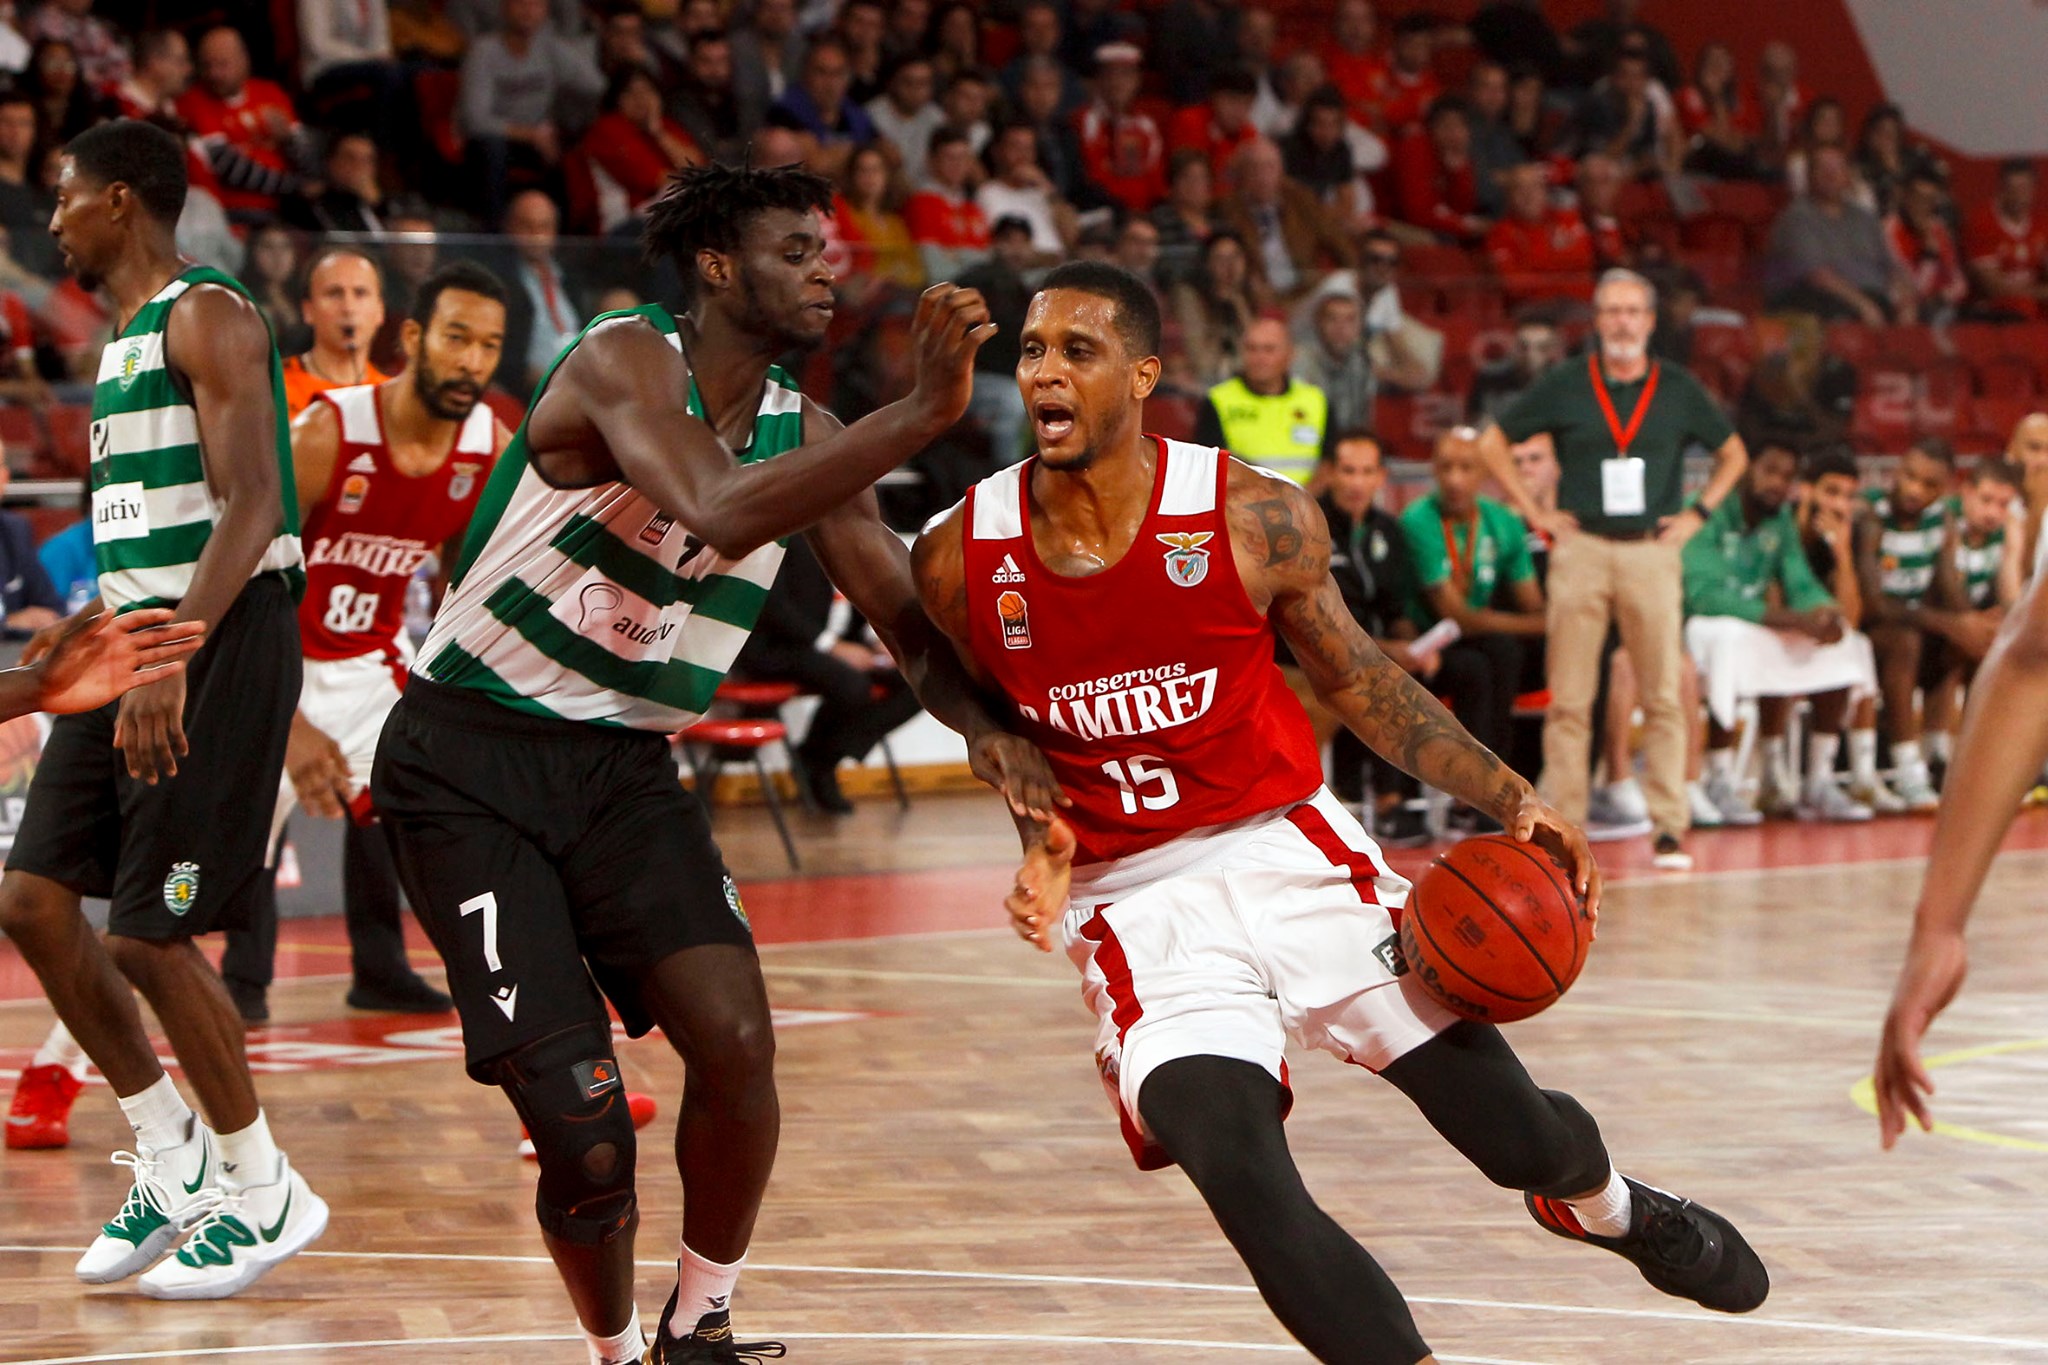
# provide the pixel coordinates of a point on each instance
(624, 1349)
(1778, 762)
(61, 1049)
(1606, 1214)
(1820, 758)
(701, 1287)
(249, 1157)
(159, 1116)
(1906, 757)
(1941, 746)
(1721, 764)
(1863, 757)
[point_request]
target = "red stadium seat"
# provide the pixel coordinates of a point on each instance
(2006, 376)
(70, 435)
(1746, 201)
(712, 742)
(438, 93)
(1883, 419)
(1438, 261)
(20, 435)
(1980, 342)
(1853, 342)
(1715, 233)
(1993, 416)
(1171, 415)
(741, 692)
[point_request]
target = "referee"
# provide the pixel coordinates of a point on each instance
(1621, 423)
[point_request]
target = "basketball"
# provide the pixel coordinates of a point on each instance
(1494, 930)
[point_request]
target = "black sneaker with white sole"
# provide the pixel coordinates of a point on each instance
(710, 1343)
(1688, 1251)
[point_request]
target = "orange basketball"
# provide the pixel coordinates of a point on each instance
(1494, 930)
(1011, 606)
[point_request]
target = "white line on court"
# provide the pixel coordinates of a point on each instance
(1747, 1320)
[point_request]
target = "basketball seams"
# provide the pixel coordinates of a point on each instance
(1556, 874)
(1512, 927)
(1446, 961)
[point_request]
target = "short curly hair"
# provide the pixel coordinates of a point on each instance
(709, 207)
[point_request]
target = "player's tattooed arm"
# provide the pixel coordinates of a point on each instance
(870, 565)
(1282, 544)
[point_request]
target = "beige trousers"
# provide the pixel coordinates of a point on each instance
(1637, 586)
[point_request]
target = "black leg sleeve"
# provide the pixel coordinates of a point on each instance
(250, 958)
(1471, 1087)
(1220, 1119)
(370, 903)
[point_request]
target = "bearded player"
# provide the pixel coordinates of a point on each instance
(1122, 593)
(620, 557)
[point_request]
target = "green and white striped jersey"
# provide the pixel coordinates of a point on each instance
(592, 604)
(1906, 553)
(1978, 564)
(152, 509)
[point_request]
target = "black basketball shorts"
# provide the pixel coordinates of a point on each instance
(550, 860)
(180, 858)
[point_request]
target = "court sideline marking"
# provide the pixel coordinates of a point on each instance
(1750, 1321)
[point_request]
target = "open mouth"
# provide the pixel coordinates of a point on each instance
(1053, 419)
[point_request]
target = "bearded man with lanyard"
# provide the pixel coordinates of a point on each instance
(1621, 423)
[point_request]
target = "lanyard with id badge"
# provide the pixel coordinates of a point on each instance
(1622, 492)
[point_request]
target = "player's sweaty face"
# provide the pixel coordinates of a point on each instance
(80, 224)
(459, 353)
(784, 284)
(1921, 479)
(1074, 373)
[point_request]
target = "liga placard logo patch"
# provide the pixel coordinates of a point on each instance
(181, 888)
(1016, 619)
(1187, 563)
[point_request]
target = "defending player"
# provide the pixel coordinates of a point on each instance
(389, 475)
(619, 559)
(1122, 593)
(146, 803)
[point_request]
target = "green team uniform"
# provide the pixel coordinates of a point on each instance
(1730, 564)
(1500, 556)
(1906, 550)
(527, 764)
(178, 858)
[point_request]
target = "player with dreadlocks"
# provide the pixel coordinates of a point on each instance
(618, 560)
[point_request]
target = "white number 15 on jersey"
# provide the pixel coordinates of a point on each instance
(1133, 775)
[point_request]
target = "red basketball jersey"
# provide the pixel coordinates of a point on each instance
(374, 527)
(1150, 686)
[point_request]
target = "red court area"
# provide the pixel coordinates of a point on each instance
(878, 905)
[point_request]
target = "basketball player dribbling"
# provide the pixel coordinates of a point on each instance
(1122, 593)
(619, 559)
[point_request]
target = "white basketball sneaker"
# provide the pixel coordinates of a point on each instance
(173, 1189)
(246, 1231)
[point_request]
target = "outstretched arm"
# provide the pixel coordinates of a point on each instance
(2003, 743)
(92, 658)
(634, 390)
(870, 564)
(1283, 553)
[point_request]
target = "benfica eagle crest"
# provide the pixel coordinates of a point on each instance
(1187, 563)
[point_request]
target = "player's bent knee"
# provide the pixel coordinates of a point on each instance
(29, 905)
(141, 959)
(734, 1053)
(569, 1094)
(1560, 1156)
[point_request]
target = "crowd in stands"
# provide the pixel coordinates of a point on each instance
(1372, 237)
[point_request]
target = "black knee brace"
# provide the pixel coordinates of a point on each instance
(569, 1094)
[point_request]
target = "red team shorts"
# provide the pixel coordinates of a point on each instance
(1232, 940)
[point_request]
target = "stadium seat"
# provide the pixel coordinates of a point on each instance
(745, 693)
(1992, 417)
(1171, 415)
(711, 743)
(2005, 376)
(438, 93)
(1853, 342)
(70, 438)
(20, 434)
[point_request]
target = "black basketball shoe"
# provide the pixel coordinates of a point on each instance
(710, 1344)
(1685, 1250)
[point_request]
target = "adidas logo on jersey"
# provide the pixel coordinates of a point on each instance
(364, 463)
(1007, 572)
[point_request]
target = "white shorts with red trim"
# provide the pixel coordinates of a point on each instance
(1231, 941)
(348, 699)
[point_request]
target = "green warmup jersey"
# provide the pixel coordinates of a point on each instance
(152, 508)
(592, 604)
(1906, 553)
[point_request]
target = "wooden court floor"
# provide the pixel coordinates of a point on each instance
(952, 1189)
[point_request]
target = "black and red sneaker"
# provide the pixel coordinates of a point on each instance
(1688, 1251)
(710, 1343)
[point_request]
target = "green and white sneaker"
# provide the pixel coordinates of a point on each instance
(172, 1191)
(246, 1231)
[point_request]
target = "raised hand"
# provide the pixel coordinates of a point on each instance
(85, 662)
(950, 327)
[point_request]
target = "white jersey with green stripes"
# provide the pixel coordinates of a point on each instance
(152, 508)
(593, 604)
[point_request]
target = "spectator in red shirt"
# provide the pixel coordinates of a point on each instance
(1408, 83)
(1435, 187)
(1718, 120)
(949, 228)
(163, 71)
(2007, 244)
(1920, 238)
(1122, 150)
(634, 145)
(1221, 124)
(1540, 251)
(1615, 243)
(253, 116)
(1351, 60)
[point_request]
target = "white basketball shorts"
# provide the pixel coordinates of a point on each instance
(1230, 941)
(349, 699)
